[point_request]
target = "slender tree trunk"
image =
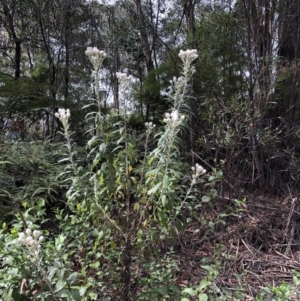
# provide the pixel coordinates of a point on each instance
(147, 51)
(67, 50)
(10, 26)
(289, 52)
(189, 13)
(261, 31)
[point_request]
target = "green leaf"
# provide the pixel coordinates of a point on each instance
(203, 284)
(95, 265)
(163, 290)
(72, 277)
(213, 193)
(102, 148)
(82, 290)
(52, 272)
(165, 182)
(207, 267)
(189, 291)
(185, 299)
(64, 160)
(5, 162)
(75, 295)
(59, 285)
(203, 297)
(63, 293)
(91, 141)
(154, 189)
(205, 199)
(151, 160)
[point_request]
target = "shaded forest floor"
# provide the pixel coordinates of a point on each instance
(257, 247)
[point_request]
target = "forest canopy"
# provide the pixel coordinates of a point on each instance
(245, 92)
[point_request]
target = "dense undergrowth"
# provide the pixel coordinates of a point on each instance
(103, 222)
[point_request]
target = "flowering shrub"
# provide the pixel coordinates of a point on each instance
(121, 206)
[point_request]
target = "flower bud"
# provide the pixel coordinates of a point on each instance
(28, 240)
(36, 233)
(22, 235)
(20, 240)
(89, 51)
(32, 243)
(175, 116)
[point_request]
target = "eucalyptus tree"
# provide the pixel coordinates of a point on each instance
(17, 19)
(18, 26)
(246, 86)
(271, 41)
(46, 47)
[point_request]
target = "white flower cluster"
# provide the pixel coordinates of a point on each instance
(187, 57)
(94, 53)
(150, 125)
(198, 170)
(123, 78)
(63, 115)
(176, 80)
(31, 240)
(190, 55)
(173, 119)
(95, 56)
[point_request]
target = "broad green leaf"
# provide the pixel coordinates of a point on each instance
(203, 284)
(60, 284)
(205, 199)
(72, 277)
(213, 192)
(203, 297)
(75, 295)
(63, 293)
(95, 265)
(82, 290)
(189, 291)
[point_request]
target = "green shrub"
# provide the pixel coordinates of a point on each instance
(124, 205)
